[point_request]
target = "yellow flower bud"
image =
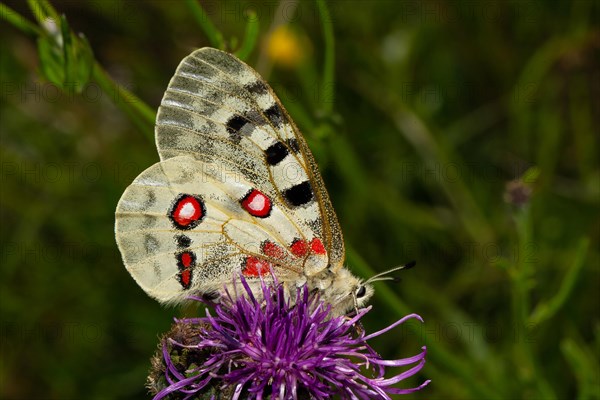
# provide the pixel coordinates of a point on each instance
(285, 47)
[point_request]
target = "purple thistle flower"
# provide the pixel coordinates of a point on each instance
(276, 349)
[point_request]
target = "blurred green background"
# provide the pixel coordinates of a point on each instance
(419, 114)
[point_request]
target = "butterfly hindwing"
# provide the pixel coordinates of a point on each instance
(180, 227)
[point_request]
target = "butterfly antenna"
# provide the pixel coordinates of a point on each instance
(380, 276)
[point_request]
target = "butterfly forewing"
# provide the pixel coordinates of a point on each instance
(235, 118)
(237, 188)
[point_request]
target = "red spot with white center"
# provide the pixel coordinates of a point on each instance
(186, 261)
(316, 246)
(255, 267)
(257, 204)
(187, 211)
(272, 250)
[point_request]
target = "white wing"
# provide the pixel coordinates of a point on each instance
(237, 188)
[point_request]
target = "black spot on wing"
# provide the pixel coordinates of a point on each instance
(235, 126)
(274, 115)
(275, 153)
(183, 241)
(299, 194)
(257, 87)
(236, 123)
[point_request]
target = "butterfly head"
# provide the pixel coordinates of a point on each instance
(346, 292)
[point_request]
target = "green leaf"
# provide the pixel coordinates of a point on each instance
(49, 50)
(66, 60)
(549, 308)
(584, 366)
(83, 64)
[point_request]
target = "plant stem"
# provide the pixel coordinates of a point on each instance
(18, 21)
(521, 281)
(328, 81)
(136, 109)
(250, 37)
(214, 36)
(547, 309)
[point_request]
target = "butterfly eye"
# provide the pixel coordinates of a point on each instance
(362, 290)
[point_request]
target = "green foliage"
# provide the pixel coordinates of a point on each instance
(461, 134)
(66, 60)
(250, 37)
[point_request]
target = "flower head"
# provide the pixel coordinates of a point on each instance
(287, 47)
(276, 349)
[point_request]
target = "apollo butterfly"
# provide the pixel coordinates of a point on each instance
(236, 190)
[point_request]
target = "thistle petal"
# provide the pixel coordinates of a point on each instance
(275, 348)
